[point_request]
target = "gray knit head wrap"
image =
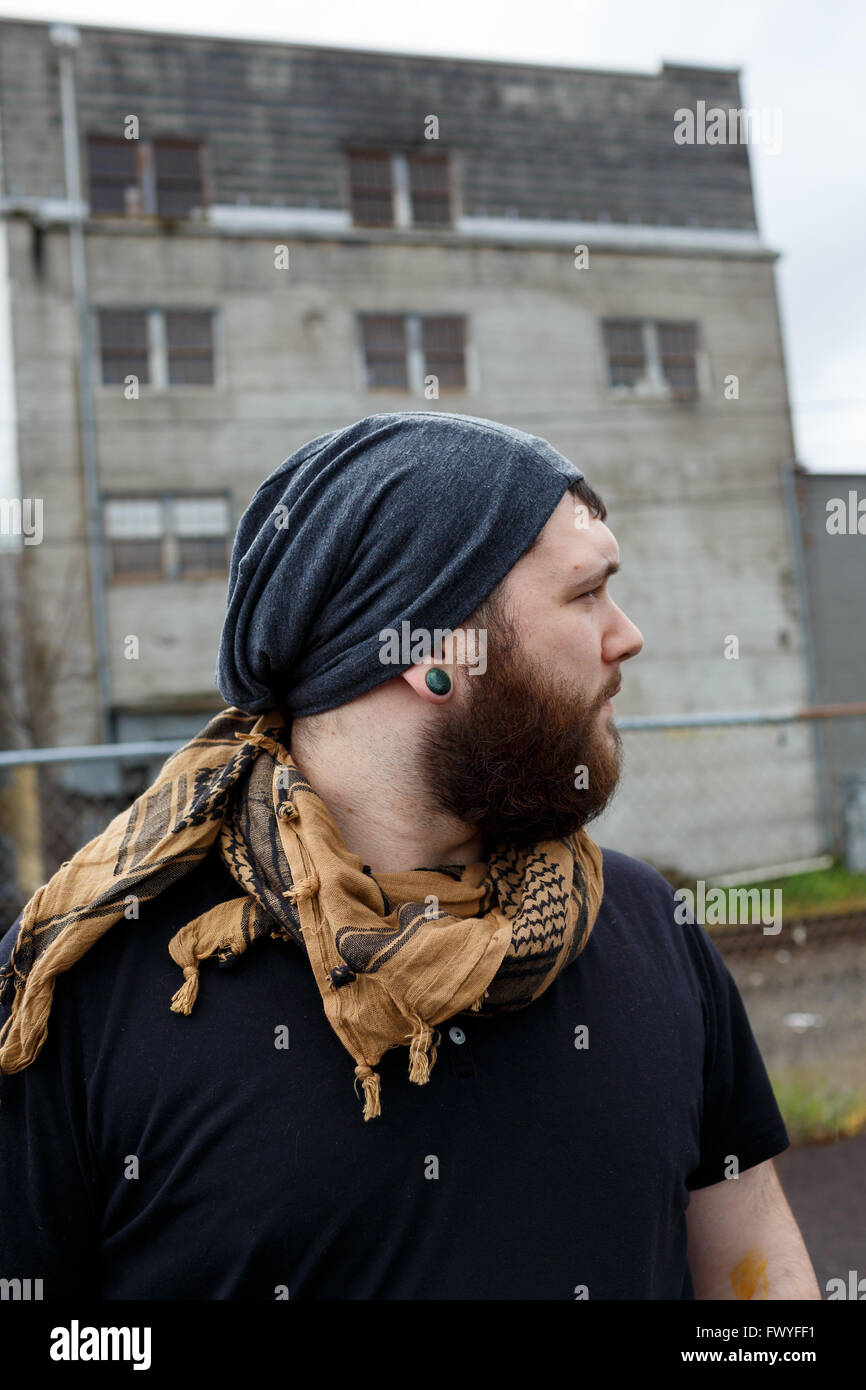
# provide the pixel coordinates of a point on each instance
(413, 516)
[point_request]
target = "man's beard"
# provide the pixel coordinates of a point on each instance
(506, 759)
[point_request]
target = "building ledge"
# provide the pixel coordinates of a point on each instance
(335, 224)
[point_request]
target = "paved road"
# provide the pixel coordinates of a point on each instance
(826, 1186)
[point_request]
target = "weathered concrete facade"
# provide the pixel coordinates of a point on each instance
(832, 512)
(542, 160)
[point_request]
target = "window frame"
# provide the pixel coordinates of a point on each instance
(187, 143)
(365, 316)
(653, 384)
(147, 176)
(159, 355)
(101, 312)
(185, 352)
(171, 570)
(123, 576)
(352, 152)
(442, 157)
(665, 358)
(399, 162)
(93, 137)
(427, 371)
(415, 353)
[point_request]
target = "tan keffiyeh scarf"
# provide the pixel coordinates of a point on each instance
(393, 954)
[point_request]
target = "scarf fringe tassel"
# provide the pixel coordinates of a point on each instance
(420, 1062)
(183, 1000)
(371, 1082)
(422, 1055)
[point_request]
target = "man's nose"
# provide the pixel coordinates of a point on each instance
(624, 639)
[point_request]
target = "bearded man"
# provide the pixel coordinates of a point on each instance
(556, 1093)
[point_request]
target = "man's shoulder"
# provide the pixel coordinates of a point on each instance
(121, 987)
(640, 914)
(624, 875)
(146, 935)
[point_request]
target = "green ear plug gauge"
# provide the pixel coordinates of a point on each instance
(438, 681)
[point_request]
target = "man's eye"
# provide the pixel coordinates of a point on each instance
(590, 593)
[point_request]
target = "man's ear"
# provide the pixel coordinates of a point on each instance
(416, 677)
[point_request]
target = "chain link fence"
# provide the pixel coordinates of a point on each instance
(724, 800)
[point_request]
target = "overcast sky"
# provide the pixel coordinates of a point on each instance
(806, 62)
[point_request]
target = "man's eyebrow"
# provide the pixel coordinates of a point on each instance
(590, 580)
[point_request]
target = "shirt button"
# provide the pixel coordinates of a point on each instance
(457, 1035)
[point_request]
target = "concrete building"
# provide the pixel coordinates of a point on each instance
(832, 511)
(212, 250)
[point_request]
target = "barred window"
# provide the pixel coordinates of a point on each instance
(371, 188)
(385, 350)
(123, 345)
(167, 537)
(132, 177)
(114, 175)
(678, 345)
(653, 357)
(178, 177)
(134, 530)
(626, 360)
(443, 343)
(189, 344)
(430, 189)
(202, 528)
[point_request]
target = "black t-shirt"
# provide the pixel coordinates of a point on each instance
(147, 1154)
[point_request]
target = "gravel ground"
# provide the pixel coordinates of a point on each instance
(825, 1183)
(828, 981)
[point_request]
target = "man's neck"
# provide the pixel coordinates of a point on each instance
(385, 820)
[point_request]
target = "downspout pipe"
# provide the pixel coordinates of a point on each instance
(66, 39)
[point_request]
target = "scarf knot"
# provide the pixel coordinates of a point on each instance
(305, 889)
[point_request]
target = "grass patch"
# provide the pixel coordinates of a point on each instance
(822, 892)
(816, 1109)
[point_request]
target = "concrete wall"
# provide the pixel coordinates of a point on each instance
(835, 565)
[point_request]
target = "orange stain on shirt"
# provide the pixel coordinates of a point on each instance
(749, 1278)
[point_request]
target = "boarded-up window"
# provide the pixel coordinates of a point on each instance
(134, 531)
(167, 537)
(123, 345)
(189, 344)
(678, 345)
(430, 190)
(385, 350)
(370, 189)
(623, 341)
(202, 528)
(178, 177)
(113, 170)
(443, 342)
